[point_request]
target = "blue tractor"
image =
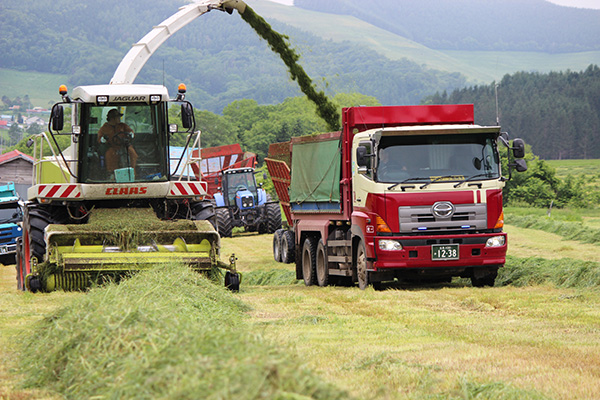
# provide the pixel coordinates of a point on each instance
(10, 218)
(241, 202)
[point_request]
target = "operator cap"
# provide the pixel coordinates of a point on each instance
(112, 113)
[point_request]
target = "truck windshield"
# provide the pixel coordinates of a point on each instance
(122, 143)
(437, 158)
(10, 213)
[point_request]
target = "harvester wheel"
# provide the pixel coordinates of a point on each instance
(232, 281)
(288, 252)
(322, 265)
(20, 267)
(277, 244)
(39, 219)
(205, 211)
(309, 250)
(273, 217)
(224, 222)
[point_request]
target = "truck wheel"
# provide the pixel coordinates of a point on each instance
(322, 265)
(309, 250)
(361, 267)
(277, 244)
(273, 217)
(288, 250)
(481, 280)
(224, 222)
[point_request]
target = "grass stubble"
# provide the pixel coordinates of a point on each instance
(531, 339)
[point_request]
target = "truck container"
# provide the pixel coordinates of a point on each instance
(402, 193)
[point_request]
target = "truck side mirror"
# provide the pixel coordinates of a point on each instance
(58, 118)
(187, 115)
(361, 156)
(518, 148)
(520, 165)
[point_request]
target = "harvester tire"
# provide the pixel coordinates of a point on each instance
(309, 253)
(232, 281)
(273, 217)
(277, 244)
(288, 252)
(20, 268)
(205, 211)
(224, 223)
(39, 219)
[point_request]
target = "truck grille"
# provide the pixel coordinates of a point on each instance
(422, 219)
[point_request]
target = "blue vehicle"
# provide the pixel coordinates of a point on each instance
(241, 202)
(10, 218)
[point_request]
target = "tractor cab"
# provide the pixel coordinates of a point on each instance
(240, 189)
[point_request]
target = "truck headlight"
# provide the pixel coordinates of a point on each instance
(495, 241)
(388, 244)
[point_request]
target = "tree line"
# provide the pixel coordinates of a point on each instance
(558, 113)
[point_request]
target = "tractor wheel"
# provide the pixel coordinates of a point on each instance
(288, 248)
(309, 253)
(277, 244)
(322, 265)
(273, 217)
(224, 222)
(232, 281)
(205, 211)
(361, 267)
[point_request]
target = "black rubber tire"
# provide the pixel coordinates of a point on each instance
(224, 226)
(19, 267)
(277, 244)
(361, 267)
(486, 280)
(309, 253)
(288, 248)
(273, 217)
(7, 259)
(205, 211)
(321, 264)
(232, 281)
(39, 218)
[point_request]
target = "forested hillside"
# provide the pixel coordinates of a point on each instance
(558, 114)
(499, 25)
(219, 57)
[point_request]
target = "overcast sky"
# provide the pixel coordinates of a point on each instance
(569, 3)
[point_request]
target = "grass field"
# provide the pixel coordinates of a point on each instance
(442, 342)
(42, 88)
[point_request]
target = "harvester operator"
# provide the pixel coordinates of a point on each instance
(118, 136)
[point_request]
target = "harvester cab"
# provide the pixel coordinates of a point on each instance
(104, 199)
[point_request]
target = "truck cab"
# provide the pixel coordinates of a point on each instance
(11, 217)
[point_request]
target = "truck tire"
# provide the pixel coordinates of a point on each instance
(277, 244)
(481, 279)
(273, 217)
(224, 226)
(361, 267)
(288, 250)
(322, 265)
(309, 253)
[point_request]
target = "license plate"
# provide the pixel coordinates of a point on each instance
(444, 252)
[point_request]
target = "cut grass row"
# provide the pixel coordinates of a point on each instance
(165, 333)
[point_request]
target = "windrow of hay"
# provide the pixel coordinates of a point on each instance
(271, 277)
(565, 273)
(568, 230)
(165, 333)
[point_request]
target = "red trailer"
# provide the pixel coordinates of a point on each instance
(401, 193)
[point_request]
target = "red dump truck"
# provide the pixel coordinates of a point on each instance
(402, 193)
